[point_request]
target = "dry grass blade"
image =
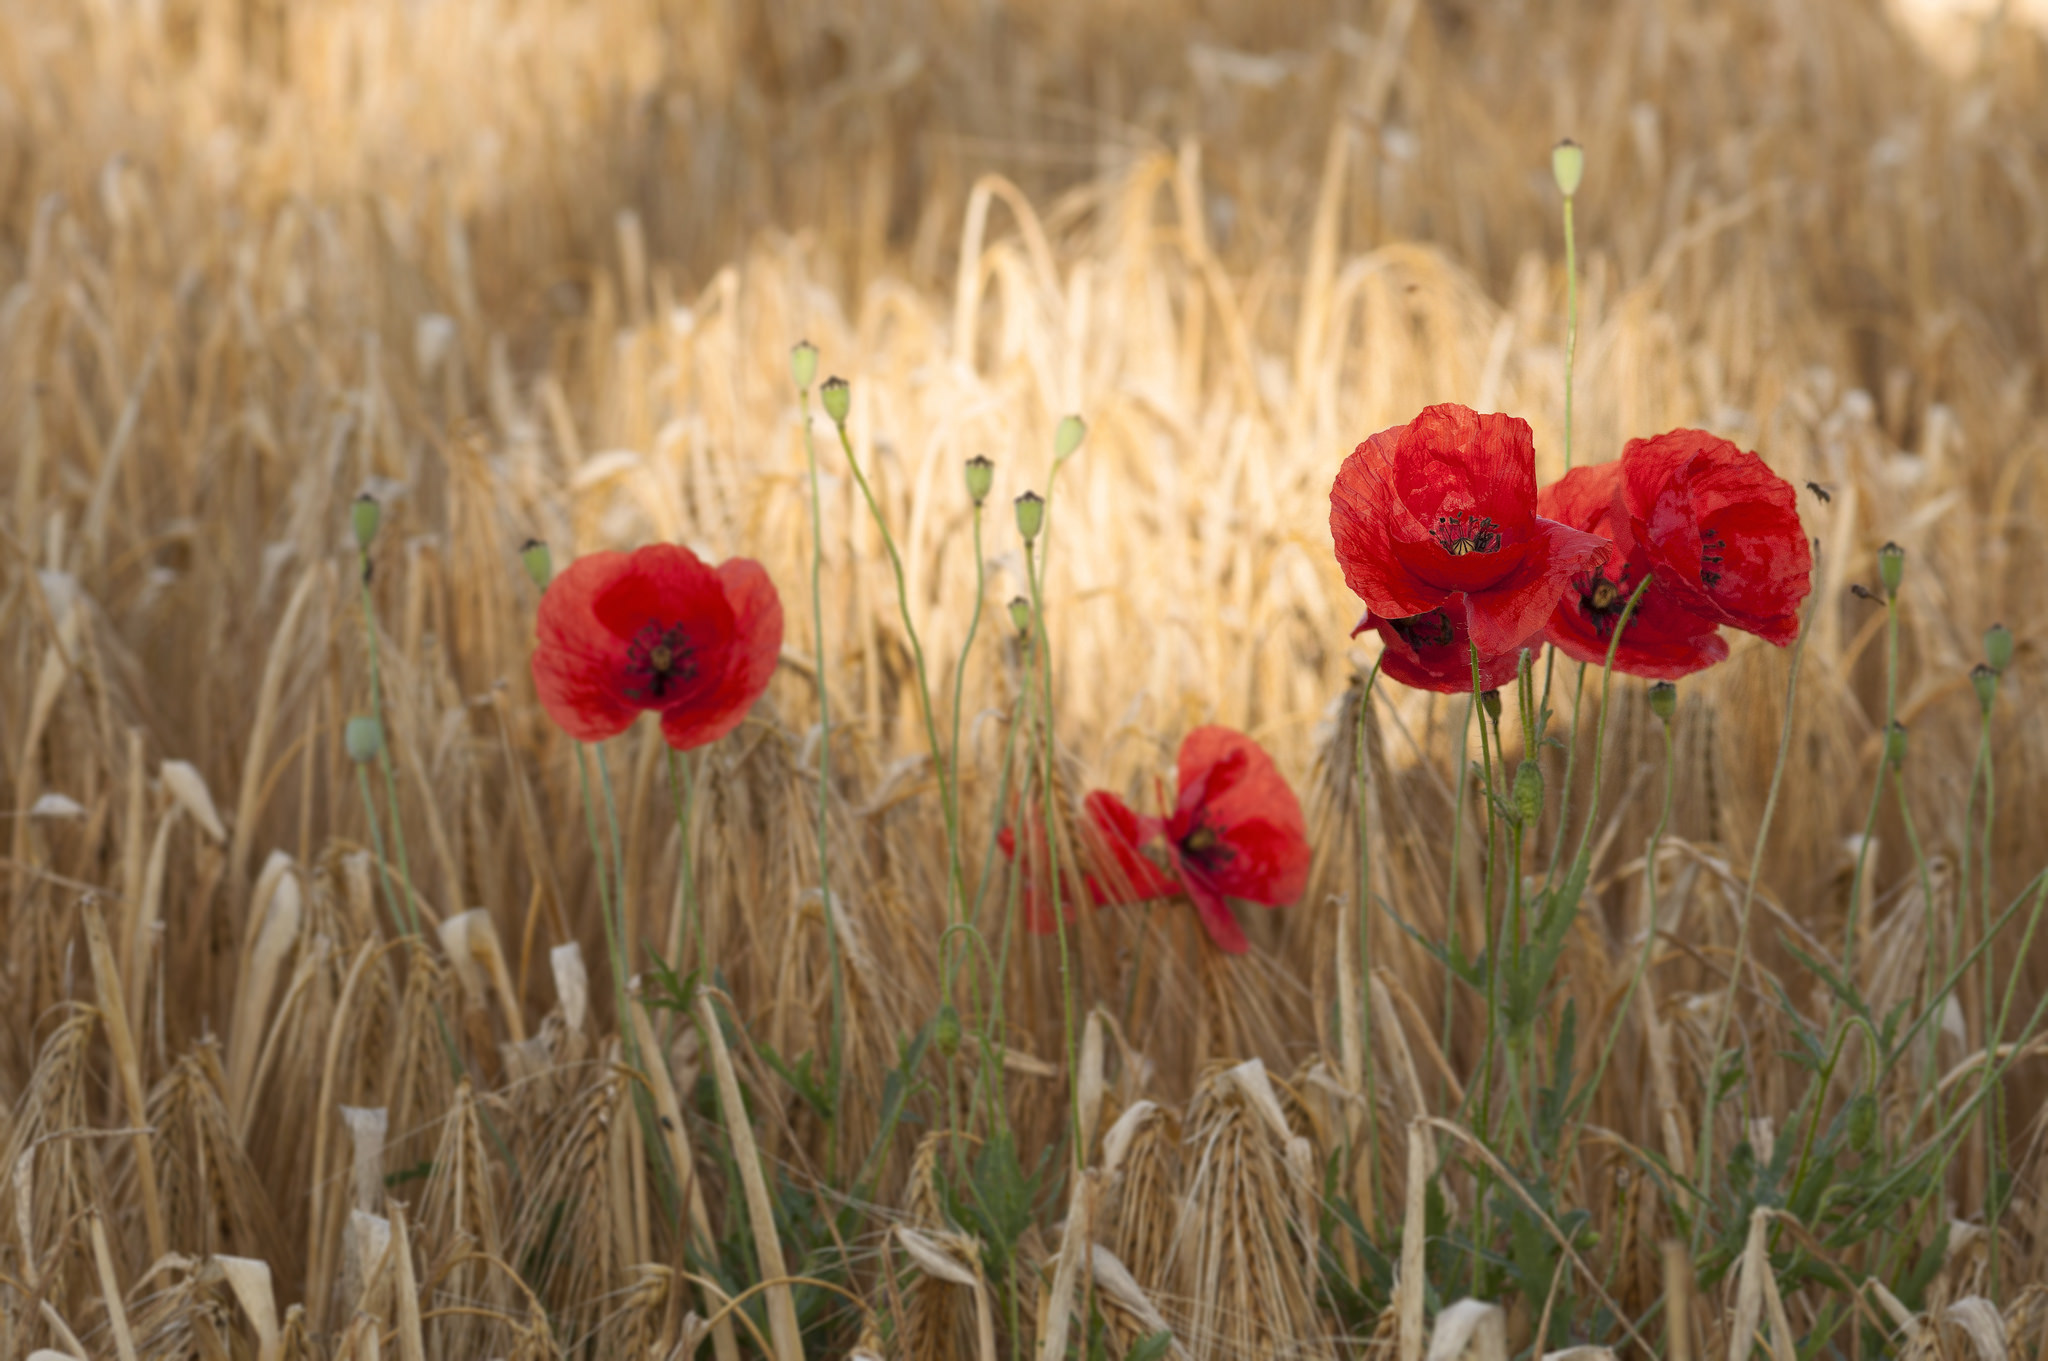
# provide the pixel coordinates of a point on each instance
(1469, 1330)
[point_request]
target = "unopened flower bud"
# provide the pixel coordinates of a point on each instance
(946, 1030)
(1984, 679)
(1862, 1114)
(1030, 515)
(981, 475)
(837, 395)
(1529, 792)
(803, 364)
(1020, 614)
(1891, 568)
(1895, 745)
(539, 563)
(1998, 647)
(1067, 436)
(364, 738)
(1489, 700)
(1664, 700)
(365, 515)
(1567, 165)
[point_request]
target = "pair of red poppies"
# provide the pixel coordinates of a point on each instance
(1441, 531)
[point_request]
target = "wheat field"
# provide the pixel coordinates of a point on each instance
(533, 269)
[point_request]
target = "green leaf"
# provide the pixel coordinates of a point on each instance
(1150, 1347)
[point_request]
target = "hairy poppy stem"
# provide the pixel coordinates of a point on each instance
(1571, 323)
(682, 790)
(1994, 1115)
(1891, 714)
(1364, 901)
(838, 1021)
(412, 912)
(1703, 1166)
(1453, 915)
(1032, 568)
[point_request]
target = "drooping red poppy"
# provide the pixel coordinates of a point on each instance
(1445, 506)
(1112, 869)
(1433, 651)
(656, 629)
(1236, 831)
(1665, 637)
(1720, 529)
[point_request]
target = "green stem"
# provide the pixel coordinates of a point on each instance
(1891, 705)
(682, 788)
(1453, 916)
(1636, 975)
(1364, 900)
(1702, 1166)
(1994, 1108)
(412, 912)
(1052, 844)
(956, 894)
(837, 1027)
(1571, 323)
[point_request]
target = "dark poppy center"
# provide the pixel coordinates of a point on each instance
(1204, 845)
(1461, 534)
(661, 660)
(1603, 599)
(1713, 552)
(1424, 630)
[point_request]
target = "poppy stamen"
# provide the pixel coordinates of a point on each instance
(664, 656)
(1713, 551)
(1204, 845)
(1603, 600)
(1459, 538)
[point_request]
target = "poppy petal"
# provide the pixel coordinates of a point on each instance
(1217, 918)
(1433, 652)
(1371, 526)
(751, 652)
(1112, 833)
(575, 657)
(1503, 616)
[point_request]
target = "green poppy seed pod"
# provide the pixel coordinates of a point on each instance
(1664, 700)
(1891, 568)
(946, 1030)
(1020, 614)
(1529, 792)
(1067, 436)
(365, 515)
(539, 563)
(1984, 679)
(1489, 700)
(1567, 165)
(981, 475)
(1030, 515)
(1895, 745)
(803, 364)
(1998, 647)
(364, 738)
(837, 395)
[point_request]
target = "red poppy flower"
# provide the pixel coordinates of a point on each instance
(1236, 831)
(656, 629)
(1113, 870)
(1665, 637)
(1446, 506)
(1432, 651)
(1720, 529)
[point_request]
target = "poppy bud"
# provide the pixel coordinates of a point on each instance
(1020, 614)
(364, 738)
(1489, 700)
(1985, 680)
(1067, 436)
(836, 395)
(1529, 792)
(1998, 647)
(1567, 164)
(1895, 745)
(1664, 700)
(981, 475)
(539, 563)
(803, 364)
(1030, 515)
(1891, 568)
(946, 1030)
(365, 515)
